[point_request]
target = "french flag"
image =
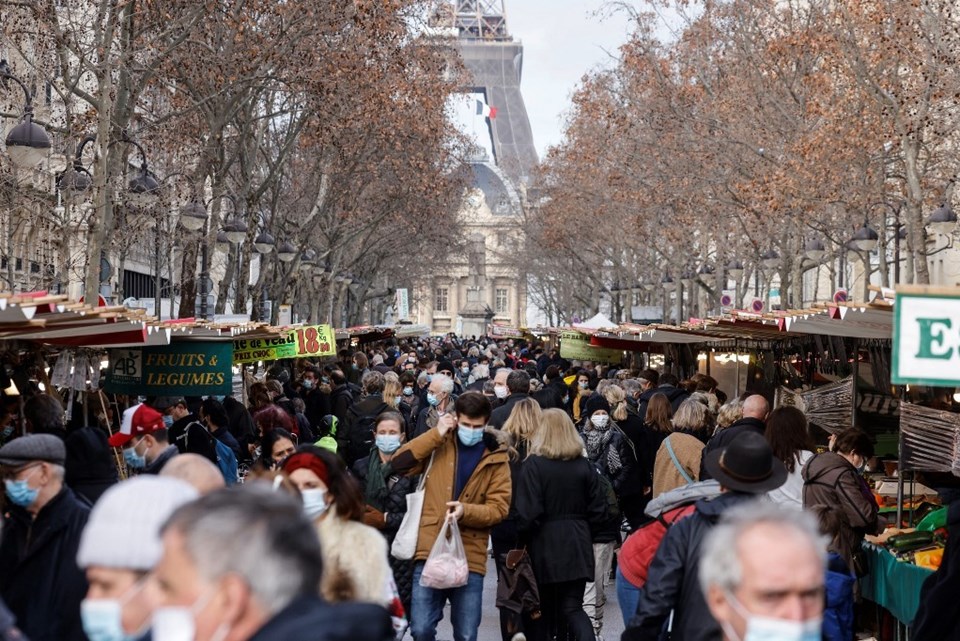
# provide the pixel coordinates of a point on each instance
(486, 111)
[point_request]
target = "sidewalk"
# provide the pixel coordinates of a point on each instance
(490, 624)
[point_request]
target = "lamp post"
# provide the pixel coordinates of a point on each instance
(28, 143)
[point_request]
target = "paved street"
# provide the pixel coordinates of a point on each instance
(490, 625)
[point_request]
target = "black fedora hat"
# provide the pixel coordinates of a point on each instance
(746, 465)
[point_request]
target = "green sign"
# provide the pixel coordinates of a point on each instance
(314, 341)
(577, 347)
(926, 337)
(181, 369)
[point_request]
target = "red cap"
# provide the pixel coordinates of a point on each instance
(146, 420)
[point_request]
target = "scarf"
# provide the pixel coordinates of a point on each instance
(599, 450)
(376, 491)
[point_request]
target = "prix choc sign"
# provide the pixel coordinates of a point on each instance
(926, 337)
(304, 342)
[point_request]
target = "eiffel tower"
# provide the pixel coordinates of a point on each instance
(494, 61)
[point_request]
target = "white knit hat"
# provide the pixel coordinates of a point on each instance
(123, 530)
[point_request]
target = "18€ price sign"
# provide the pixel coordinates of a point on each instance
(315, 340)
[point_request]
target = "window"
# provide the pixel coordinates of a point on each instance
(441, 300)
(502, 303)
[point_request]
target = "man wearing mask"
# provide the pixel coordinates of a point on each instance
(316, 402)
(500, 389)
(472, 468)
(39, 577)
(216, 587)
(439, 402)
(762, 573)
(119, 547)
(518, 383)
(146, 442)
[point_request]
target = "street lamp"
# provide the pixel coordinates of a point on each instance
(264, 242)
(866, 239)
(143, 189)
(223, 241)
(193, 216)
(287, 251)
(814, 250)
(667, 283)
(706, 274)
(308, 260)
(28, 142)
(235, 231)
(770, 259)
(76, 179)
(942, 221)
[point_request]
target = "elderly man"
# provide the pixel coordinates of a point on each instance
(261, 586)
(39, 577)
(518, 383)
(500, 389)
(440, 401)
(197, 471)
(119, 548)
(762, 573)
(755, 411)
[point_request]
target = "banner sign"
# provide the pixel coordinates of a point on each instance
(926, 337)
(315, 341)
(576, 347)
(503, 331)
(402, 304)
(180, 369)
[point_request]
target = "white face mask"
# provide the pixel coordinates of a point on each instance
(761, 628)
(500, 391)
(600, 420)
(178, 623)
(314, 502)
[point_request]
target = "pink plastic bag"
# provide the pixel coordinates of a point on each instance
(446, 567)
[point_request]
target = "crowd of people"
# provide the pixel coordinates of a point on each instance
(282, 517)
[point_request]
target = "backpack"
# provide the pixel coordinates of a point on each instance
(613, 503)
(329, 440)
(638, 550)
(358, 439)
(227, 462)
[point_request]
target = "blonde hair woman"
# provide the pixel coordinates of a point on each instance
(618, 402)
(559, 501)
(679, 456)
(729, 413)
(521, 427)
(393, 396)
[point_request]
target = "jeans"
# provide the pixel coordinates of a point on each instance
(466, 604)
(628, 595)
(595, 596)
(562, 605)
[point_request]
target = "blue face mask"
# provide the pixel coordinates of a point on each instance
(218, 398)
(20, 493)
(101, 619)
(432, 399)
(167, 421)
(469, 436)
(408, 391)
(388, 443)
(134, 461)
(7, 431)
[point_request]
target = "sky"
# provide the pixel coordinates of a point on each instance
(562, 41)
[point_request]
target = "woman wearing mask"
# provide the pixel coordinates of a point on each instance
(355, 566)
(276, 445)
(834, 480)
(632, 490)
(559, 502)
(393, 396)
(518, 431)
(580, 395)
(385, 494)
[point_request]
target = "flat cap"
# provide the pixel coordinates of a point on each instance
(33, 447)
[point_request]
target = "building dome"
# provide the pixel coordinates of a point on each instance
(500, 195)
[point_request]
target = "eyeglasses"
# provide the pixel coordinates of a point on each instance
(9, 474)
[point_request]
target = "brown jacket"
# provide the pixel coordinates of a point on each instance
(688, 450)
(485, 498)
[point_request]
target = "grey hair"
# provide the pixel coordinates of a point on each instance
(446, 383)
(57, 471)
(422, 378)
(518, 381)
(481, 371)
(720, 555)
(278, 555)
(691, 415)
(503, 370)
(631, 386)
(372, 382)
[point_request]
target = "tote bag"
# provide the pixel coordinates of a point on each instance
(405, 542)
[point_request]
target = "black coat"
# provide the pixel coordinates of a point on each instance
(673, 580)
(309, 617)
(39, 577)
(938, 616)
(500, 415)
(559, 504)
(90, 465)
(725, 437)
(8, 625)
(317, 405)
(675, 395)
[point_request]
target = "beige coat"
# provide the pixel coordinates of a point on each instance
(355, 566)
(688, 450)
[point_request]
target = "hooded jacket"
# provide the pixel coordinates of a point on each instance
(830, 480)
(675, 395)
(90, 466)
(673, 580)
(309, 617)
(485, 497)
